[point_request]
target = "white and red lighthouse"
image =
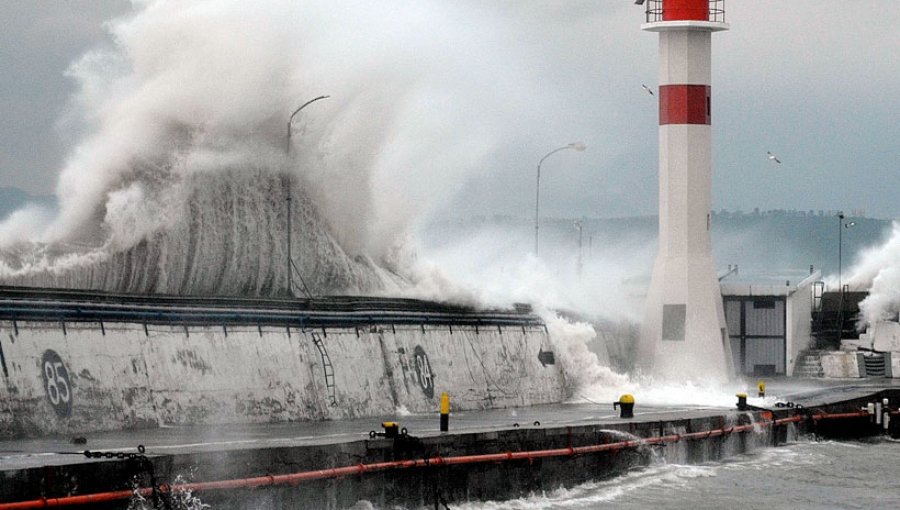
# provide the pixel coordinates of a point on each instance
(684, 333)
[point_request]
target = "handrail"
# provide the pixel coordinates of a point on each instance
(655, 8)
(52, 305)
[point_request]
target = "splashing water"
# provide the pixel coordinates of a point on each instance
(179, 180)
(798, 475)
(180, 499)
(590, 378)
(178, 183)
(878, 270)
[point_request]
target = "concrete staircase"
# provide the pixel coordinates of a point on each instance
(809, 364)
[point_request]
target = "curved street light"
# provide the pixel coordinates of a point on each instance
(578, 146)
(291, 119)
(291, 267)
(841, 227)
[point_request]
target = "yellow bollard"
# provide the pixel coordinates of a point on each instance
(626, 403)
(742, 401)
(391, 429)
(445, 412)
(762, 388)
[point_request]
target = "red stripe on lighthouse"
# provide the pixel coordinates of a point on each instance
(685, 10)
(684, 104)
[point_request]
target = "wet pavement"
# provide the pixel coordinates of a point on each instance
(30, 453)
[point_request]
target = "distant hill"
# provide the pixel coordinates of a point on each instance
(766, 245)
(12, 199)
(774, 241)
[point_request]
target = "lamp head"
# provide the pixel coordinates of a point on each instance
(578, 146)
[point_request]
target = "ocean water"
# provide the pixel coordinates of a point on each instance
(826, 474)
(799, 475)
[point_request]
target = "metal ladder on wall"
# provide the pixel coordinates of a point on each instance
(818, 321)
(326, 364)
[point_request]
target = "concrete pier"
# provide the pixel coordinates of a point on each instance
(487, 454)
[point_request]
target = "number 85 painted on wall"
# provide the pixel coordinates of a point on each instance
(56, 383)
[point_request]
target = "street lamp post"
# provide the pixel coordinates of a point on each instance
(840, 249)
(579, 224)
(290, 262)
(578, 146)
(841, 227)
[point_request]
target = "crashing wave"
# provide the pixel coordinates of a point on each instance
(223, 233)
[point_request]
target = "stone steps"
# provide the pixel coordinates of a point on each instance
(809, 364)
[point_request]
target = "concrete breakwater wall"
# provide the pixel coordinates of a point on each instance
(440, 480)
(79, 377)
(440, 469)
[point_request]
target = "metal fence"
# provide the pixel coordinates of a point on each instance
(655, 11)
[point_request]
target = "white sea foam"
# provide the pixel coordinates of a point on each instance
(589, 495)
(592, 380)
(175, 184)
(878, 271)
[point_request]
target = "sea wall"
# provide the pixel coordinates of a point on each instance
(71, 378)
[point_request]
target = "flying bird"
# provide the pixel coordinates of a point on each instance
(773, 157)
(648, 89)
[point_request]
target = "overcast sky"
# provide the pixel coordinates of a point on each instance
(815, 81)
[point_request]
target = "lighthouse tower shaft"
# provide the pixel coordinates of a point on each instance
(684, 334)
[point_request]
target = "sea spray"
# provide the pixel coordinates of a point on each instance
(208, 234)
(590, 379)
(582, 367)
(189, 93)
(878, 271)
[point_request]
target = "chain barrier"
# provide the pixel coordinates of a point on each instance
(159, 497)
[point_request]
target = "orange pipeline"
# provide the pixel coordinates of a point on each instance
(294, 478)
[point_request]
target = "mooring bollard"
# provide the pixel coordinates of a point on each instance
(870, 408)
(445, 412)
(742, 401)
(626, 402)
(391, 429)
(762, 389)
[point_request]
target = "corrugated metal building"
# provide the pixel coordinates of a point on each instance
(768, 325)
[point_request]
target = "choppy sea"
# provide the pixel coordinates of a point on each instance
(826, 474)
(800, 475)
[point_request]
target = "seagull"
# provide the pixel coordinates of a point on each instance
(773, 157)
(648, 89)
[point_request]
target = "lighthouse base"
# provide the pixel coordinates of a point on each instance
(684, 335)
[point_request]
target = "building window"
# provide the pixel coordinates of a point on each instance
(764, 303)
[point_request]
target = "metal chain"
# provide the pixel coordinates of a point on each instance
(159, 497)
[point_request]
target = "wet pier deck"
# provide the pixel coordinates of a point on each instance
(55, 467)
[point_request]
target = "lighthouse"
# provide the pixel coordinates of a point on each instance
(684, 335)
